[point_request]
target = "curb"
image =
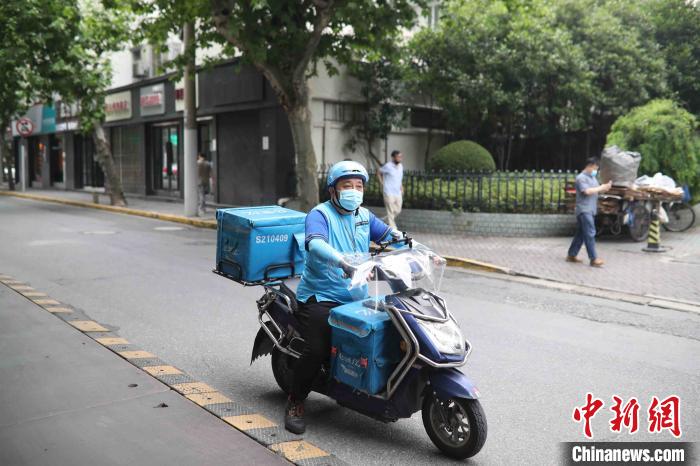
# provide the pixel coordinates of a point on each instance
(596, 292)
(244, 419)
(120, 210)
(473, 264)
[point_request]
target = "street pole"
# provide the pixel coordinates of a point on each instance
(24, 166)
(190, 120)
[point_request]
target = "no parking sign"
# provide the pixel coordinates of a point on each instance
(25, 127)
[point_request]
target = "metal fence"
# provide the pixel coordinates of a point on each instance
(512, 191)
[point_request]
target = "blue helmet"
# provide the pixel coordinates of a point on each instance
(346, 169)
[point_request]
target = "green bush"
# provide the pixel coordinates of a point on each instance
(462, 156)
(667, 137)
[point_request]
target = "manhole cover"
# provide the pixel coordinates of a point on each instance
(99, 232)
(169, 228)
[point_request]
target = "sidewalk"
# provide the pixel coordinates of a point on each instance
(66, 400)
(673, 274)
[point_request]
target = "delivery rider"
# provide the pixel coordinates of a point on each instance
(333, 229)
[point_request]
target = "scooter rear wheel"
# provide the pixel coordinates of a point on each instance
(282, 367)
(456, 426)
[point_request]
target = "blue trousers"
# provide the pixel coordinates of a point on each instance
(585, 233)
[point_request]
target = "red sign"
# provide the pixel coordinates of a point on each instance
(662, 414)
(150, 100)
(117, 106)
(25, 127)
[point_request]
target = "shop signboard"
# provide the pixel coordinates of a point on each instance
(118, 106)
(152, 100)
(180, 94)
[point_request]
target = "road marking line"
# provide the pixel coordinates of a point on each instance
(46, 302)
(136, 354)
(87, 326)
(203, 399)
(34, 294)
(162, 370)
(190, 388)
(298, 450)
(108, 341)
(249, 421)
(59, 309)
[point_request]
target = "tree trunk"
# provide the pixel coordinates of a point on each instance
(305, 162)
(106, 161)
(8, 157)
(370, 153)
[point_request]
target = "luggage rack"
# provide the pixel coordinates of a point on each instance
(266, 278)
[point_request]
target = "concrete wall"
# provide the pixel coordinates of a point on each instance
(467, 223)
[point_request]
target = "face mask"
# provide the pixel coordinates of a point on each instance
(350, 199)
(594, 173)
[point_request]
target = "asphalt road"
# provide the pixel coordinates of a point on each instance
(537, 352)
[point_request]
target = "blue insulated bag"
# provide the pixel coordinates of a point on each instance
(365, 346)
(259, 243)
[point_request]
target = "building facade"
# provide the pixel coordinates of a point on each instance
(241, 128)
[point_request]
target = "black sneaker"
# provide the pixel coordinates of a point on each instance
(294, 417)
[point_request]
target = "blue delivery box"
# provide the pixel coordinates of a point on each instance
(255, 244)
(365, 346)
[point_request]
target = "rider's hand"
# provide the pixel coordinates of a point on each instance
(348, 269)
(606, 187)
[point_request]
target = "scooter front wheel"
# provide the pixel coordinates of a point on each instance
(282, 367)
(456, 426)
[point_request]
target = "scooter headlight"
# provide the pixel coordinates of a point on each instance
(445, 336)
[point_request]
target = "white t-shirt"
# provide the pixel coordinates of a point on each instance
(393, 175)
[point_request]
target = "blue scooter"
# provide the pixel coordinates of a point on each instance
(425, 378)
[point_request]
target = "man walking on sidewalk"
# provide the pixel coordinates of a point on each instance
(587, 189)
(391, 176)
(203, 187)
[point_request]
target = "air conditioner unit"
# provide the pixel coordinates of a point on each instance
(140, 70)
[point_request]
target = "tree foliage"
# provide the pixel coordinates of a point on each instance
(35, 40)
(511, 69)
(676, 29)
(285, 41)
(667, 137)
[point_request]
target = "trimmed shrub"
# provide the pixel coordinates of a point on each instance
(667, 137)
(462, 156)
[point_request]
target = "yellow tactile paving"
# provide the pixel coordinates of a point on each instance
(190, 388)
(108, 341)
(136, 354)
(34, 294)
(162, 370)
(87, 326)
(203, 399)
(298, 450)
(249, 421)
(46, 302)
(59, 309)
(21, 288)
